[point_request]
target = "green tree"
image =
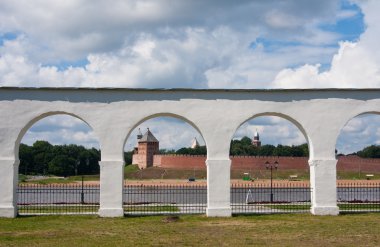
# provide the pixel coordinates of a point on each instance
(372, 151)
(245, 147)
(42, 158)
(26, 159)
(62, 165)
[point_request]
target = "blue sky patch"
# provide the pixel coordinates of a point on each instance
(271, 45)
(63, 65)
(349, 28)
(7, 36)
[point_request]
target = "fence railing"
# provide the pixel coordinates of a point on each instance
(34, 199)
(165, 199)
(256, 198)
(359, 197)
(246, 198)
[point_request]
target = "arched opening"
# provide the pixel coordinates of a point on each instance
(59, 170)
(270, 171)
(358, 167)
(165, 153)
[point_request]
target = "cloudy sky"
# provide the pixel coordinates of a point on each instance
(191, 44)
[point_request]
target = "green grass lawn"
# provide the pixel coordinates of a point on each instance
(263, 230)
(150, 208)
(58, 180)
(289, 207)
(358, 206)
(57, 209)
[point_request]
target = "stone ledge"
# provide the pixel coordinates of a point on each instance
(219, 212)
(111, 212)
(324, 210)
(8, 212)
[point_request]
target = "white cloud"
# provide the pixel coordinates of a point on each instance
(61, 129)
(355, 65)
(172, 133)
(272, 130)
(148, 44)
(165, 43)
(359, 132)
(278, 19)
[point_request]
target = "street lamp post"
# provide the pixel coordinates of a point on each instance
(271, 167)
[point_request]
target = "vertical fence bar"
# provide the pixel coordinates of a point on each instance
(164, 199)
(36, 199)
(359, 197)
(264, 198)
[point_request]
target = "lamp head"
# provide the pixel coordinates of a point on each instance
(276, 164)
(267, 164)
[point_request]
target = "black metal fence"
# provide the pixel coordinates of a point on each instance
(255, 198)
(359, 197)
(34, 199)
(165, 199)
(247, 198)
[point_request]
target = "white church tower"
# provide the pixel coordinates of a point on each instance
(195, 143)
(256, 140)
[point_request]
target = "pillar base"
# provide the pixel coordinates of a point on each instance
(325, 210)
(8, 212)
(111, 188)
(219, 212)
(111, 212)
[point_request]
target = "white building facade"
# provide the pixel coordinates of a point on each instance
(320, 114)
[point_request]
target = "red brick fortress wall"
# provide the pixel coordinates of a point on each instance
(258, 162)
(355, 163)
(238, 162)
(345, 163)
(180, 161)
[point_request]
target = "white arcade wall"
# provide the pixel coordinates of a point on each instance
(320, 114)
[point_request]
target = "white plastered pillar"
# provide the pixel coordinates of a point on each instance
(218, 188)
(8, 188)
(323, 186)
(111, 188)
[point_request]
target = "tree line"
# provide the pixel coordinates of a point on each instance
(60, 160)
(372, 151)
(68, 160)
(244, 147)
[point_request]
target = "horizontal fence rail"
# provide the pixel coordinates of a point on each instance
(165, 199)
(34, 199)
(246, 198)
(359, 197)
(255, 198)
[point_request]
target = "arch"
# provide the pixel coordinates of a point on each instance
(35, 119)
(352, 116)
(284, 116)
(163, 114)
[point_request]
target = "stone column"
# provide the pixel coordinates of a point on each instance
(323, 186)
(111, 188)
(8, 188)
(218, 188)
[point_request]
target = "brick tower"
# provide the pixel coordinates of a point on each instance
(148, 146)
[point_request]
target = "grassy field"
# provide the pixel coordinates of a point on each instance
(59, 180)
(264, 230)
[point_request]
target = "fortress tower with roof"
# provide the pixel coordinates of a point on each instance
(147, 147)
